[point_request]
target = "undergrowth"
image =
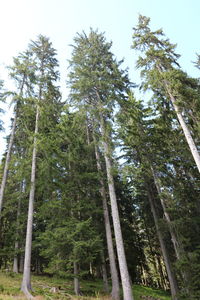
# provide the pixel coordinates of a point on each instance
(43, 289)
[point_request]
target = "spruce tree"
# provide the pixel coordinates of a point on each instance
(161, 72)
(20, 71)
(1, 100)
(46, 74)
(96, 82)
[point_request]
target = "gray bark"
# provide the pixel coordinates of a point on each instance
(170, 273)
(76, 280)
(26, 282)
(187, 133)
(184, 127)
(16, 256)
(15, 261)
(21, 263)
(113, 268)
(167, 217)
(126, 285)
(177, 245)
(8, 156)
(104, 274)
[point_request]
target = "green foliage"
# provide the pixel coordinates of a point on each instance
(2, 99)
(68, 217)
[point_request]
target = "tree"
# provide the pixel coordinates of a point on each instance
(110, 246)
(1, 100)
(96, 82)
(159, 70)
(21, 69)
(138, 139)
(71, 240)
(44, 90)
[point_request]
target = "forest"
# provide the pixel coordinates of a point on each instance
(102, 186)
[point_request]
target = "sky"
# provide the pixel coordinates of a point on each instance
(60, 20)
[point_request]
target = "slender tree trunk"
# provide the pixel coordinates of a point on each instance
(21, 263)
(26, 282)
(76, 280)
(126, 285)
(162, 275)
(167, 217)
(186, 131)
(15, 261)
(179, 251)
(113, 268)
(104, 274)
(170, 273)
(184, 127)
(8, 156)
(152, 252)
(16, 255)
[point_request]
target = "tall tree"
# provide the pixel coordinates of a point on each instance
(110, 246)
(1, 99)
(20, 71)
(43, 55)
(132, 123)
(96, 81)
(161, 72)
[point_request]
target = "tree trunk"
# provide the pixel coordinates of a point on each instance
(170, 273)
(165, 283)
(167, 217)
(16, 256)
(126, 285)
(104, 274)
(15, 262)
(21, 263)
(113, 268)
(184, 127)
(10, 144)
(26, 282)
(8, 156)
(152, 254)
(179, 251)
(76, 280)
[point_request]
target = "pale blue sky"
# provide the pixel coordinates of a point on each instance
(23, 20)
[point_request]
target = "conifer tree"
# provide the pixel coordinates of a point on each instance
(132, 123)
(1, 100)
(46, 75)
(20, 71)
(96, 81)
(110, 246)
(161, 72)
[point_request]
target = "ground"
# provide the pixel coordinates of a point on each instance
(50, 288)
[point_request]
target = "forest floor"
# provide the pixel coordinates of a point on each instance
(47, 288)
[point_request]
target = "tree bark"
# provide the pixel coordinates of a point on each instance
(126, 285)
(187, 133)
(184, 127)
(8, 156)
(104, 274)
(167, 217)
(26, 282)
(16, 256)
(113, 268)
(76, 280)
(170, 273)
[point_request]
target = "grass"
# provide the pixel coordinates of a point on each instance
(10, 289)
